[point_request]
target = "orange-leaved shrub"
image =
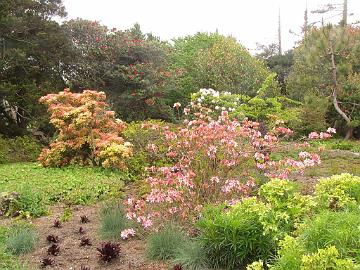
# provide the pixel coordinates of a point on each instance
(88, 133)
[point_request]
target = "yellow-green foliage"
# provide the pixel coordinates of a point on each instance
(327, 258)
(338, 192)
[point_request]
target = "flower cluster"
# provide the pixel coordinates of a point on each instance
(127, 233)
(212, 162)
(88, 132)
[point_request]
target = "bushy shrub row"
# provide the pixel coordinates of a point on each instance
(278, 229)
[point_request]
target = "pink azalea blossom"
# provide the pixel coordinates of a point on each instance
(125, 234)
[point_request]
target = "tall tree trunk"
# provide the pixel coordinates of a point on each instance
(335, 90)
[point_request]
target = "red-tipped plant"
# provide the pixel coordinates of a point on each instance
(177, 267)
(81, 230)
(46, 262)
(57, 223)
(85, 242)
(54, 250)
(108, 251)
(52, 238)
(84, 219)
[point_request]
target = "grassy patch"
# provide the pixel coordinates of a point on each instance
(335, 164)
(8, 261)
(39, 187)
(113, 221)
(163, 244)
(20, 239)
(192, 256)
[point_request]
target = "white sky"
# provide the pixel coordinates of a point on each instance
(250, 21)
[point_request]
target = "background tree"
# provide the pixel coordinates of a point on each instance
(214, 61)
(128, 65)
(327, 65)
(34, 49)
(279, 64)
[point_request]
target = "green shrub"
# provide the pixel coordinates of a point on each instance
(19, 149)
(327, 258)
(141, 134)
(289, 254)
(285, 207)
(20, 239)
(338, 192)
(163, 244)
(191, 256)
(113, 221)
(28, 204)
(313, 114)
(235, 237)
(339, 229)
(293, 255)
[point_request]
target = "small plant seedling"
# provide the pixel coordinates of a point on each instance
(177, 267)
(57, 223)
(85, 242)
(67, 215)
(81, 230)
(84, 219)
(46, 262)
(108, 251)
(52, 238)
(54, 250)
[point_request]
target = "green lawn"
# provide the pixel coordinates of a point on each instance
(39, 187)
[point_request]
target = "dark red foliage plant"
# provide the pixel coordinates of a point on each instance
(46, 262)
(108, 251)
(54, 250)
(52, 238)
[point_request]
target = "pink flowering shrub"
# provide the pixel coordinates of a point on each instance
(88, 133)
(211, 162)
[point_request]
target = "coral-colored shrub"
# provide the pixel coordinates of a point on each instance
(88, 133)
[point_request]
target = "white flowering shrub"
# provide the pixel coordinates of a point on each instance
(212, 103)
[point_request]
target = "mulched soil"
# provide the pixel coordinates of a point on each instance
(72, 256)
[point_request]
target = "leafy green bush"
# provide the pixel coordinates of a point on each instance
(235, 237)
(286, 208)
(19, 149)
(20, 239)
(339, 229)
(28, 204)
(293, 255)
(163, 244)
(113, 221)
(338, 192)
(289, 254)
(191, 256)
(142, 135)
(327, 259)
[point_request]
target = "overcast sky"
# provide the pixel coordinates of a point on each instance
(250, 21)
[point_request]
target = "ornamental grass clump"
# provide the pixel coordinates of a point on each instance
(20, 239)
(233, 238)
(162, 245)
(113, 221)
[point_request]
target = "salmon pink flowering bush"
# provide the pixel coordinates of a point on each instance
(88, 133)
(211, 162)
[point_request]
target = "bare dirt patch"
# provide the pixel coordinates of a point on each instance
(73, 256)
